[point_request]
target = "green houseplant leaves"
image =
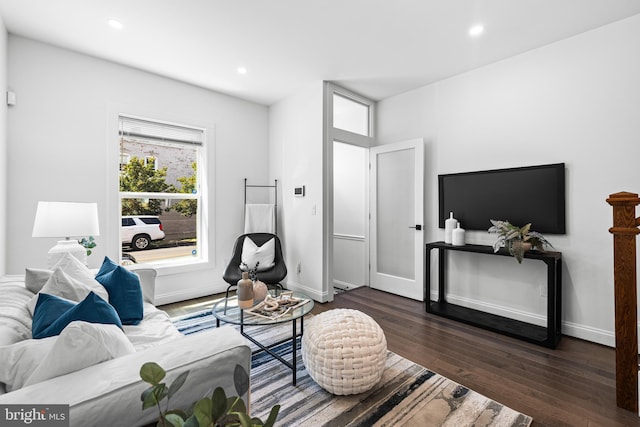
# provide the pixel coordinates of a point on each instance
(517, 240)
(216, 410)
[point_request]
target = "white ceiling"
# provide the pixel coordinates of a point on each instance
(377, 48)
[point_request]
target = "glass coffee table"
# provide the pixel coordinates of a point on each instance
(226, 310)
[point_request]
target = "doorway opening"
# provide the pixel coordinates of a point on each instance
(350, 216)
(373, 203)
(349, 123)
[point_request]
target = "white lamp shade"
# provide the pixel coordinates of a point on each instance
(66, 219)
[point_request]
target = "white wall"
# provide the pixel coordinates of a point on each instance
(576, 101)
(3, 149)
(296, 159)
(61, 146)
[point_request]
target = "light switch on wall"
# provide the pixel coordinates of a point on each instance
(11, 98)
(313, 210)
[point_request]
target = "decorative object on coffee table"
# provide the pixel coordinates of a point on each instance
(517, 240)
(260, 291)
(275, 307)
(245, 291)
(344, 351)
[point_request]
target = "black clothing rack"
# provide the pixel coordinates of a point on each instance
(275, 201)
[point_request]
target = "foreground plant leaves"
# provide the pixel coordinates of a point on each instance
(152, 373)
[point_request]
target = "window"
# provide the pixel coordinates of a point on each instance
(127, 222)
(351, 115)
(161, 176)
(151, 160)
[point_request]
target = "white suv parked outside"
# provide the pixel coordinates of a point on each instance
(139, 231)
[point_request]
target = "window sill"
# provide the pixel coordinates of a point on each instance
(166, 268)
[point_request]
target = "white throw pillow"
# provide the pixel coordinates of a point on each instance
(20, 359)
(36, 278)
(75, 269)
(71, 280)
(252, 254)
(80, 345)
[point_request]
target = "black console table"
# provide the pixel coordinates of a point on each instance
(545, 336)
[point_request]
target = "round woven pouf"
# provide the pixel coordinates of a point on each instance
(344, 351)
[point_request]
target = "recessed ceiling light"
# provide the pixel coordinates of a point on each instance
(242, 70)
(114, 23)
(476, 30)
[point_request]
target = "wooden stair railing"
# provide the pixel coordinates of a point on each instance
(624, 230)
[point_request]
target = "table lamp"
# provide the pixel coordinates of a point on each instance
(66, 219)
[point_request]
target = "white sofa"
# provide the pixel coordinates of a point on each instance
(108, 393)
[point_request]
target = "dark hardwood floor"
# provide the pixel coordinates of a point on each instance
(573, 385)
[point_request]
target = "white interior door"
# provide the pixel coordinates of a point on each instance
(396, 203)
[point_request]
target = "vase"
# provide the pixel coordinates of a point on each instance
(260, 291)
(449, 225)
(245, 291)
(518, 249)
(519, 245)
(457, 236)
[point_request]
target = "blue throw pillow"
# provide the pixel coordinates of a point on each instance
(48, 309)
(125, 293)
(107, 267)
(92, 309)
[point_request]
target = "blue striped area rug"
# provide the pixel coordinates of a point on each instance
(195, 322)
(407, 395)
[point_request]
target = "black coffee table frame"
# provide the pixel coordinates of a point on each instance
(226, 310)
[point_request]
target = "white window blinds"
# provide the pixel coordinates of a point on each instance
(161, 132)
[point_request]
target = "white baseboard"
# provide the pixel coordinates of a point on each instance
(171, 297)
(310, 292)
(344, 285)
(499, 310)
(588, 333)
(571, 329)
(576, 330)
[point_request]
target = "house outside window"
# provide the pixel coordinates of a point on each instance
(160, 182)
(151, 160)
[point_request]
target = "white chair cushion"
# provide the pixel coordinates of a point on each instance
(252, 254)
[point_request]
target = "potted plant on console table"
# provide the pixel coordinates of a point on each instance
(517, 240)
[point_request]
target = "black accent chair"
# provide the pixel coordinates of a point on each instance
(271, 277)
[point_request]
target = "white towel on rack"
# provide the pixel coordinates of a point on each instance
(259, 218)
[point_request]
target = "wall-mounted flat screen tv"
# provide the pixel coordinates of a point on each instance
(532, 194)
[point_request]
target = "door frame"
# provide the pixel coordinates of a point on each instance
(333, 134)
